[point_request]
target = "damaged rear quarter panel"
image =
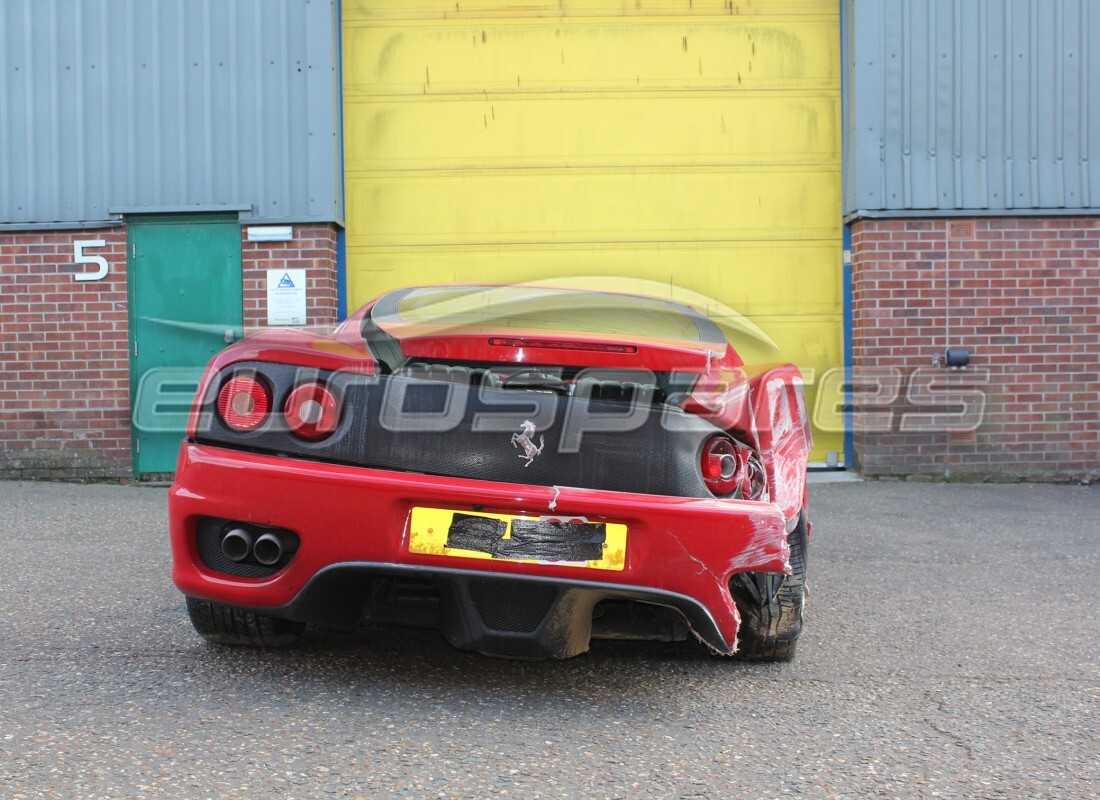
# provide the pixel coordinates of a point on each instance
(783, 434)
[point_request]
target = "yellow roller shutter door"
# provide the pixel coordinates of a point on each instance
(684, 149)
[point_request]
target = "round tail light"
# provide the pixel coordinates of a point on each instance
(312, 412)
(243, 403)
(721, 466)
(730, 470)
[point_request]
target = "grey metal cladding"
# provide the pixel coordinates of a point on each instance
(971, 105)
(166, 103)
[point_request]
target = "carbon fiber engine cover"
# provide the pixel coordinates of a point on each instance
(480, 431)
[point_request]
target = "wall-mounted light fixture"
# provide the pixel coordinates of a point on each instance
(956, 358)
(952, 357)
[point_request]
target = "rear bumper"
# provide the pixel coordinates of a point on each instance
(354, 523)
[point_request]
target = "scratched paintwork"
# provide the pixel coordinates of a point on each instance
(784, 436)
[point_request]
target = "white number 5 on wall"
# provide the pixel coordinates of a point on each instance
(80, 258)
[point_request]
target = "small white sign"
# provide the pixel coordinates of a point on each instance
(286, 297)
(270, 233)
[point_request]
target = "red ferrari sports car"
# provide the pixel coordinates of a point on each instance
(525, 468)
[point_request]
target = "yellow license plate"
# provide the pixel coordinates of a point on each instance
(563, 541)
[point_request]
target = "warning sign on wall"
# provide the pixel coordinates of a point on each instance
(286, 297)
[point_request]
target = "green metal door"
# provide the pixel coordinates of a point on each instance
(185, 306)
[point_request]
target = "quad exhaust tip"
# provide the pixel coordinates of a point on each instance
(242, 543)
(237, 544)
(268, 549)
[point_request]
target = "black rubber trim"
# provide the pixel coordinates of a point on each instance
(385, 349)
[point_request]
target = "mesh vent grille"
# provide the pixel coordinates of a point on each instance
(960, 230)
(510, 606)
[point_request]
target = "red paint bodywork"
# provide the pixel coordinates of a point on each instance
(347, 514)
(471, 343)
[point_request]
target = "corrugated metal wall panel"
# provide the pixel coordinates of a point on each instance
(971, 104)
(168, 103)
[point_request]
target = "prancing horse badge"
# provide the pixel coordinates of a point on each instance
(526, 439)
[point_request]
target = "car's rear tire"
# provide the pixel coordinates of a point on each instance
(223, 624)
(771, 605)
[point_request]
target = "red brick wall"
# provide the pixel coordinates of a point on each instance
(64, 366)
(313, 248)
(1023, 295)
(64, 371)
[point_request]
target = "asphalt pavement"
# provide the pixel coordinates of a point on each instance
(950, 650)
